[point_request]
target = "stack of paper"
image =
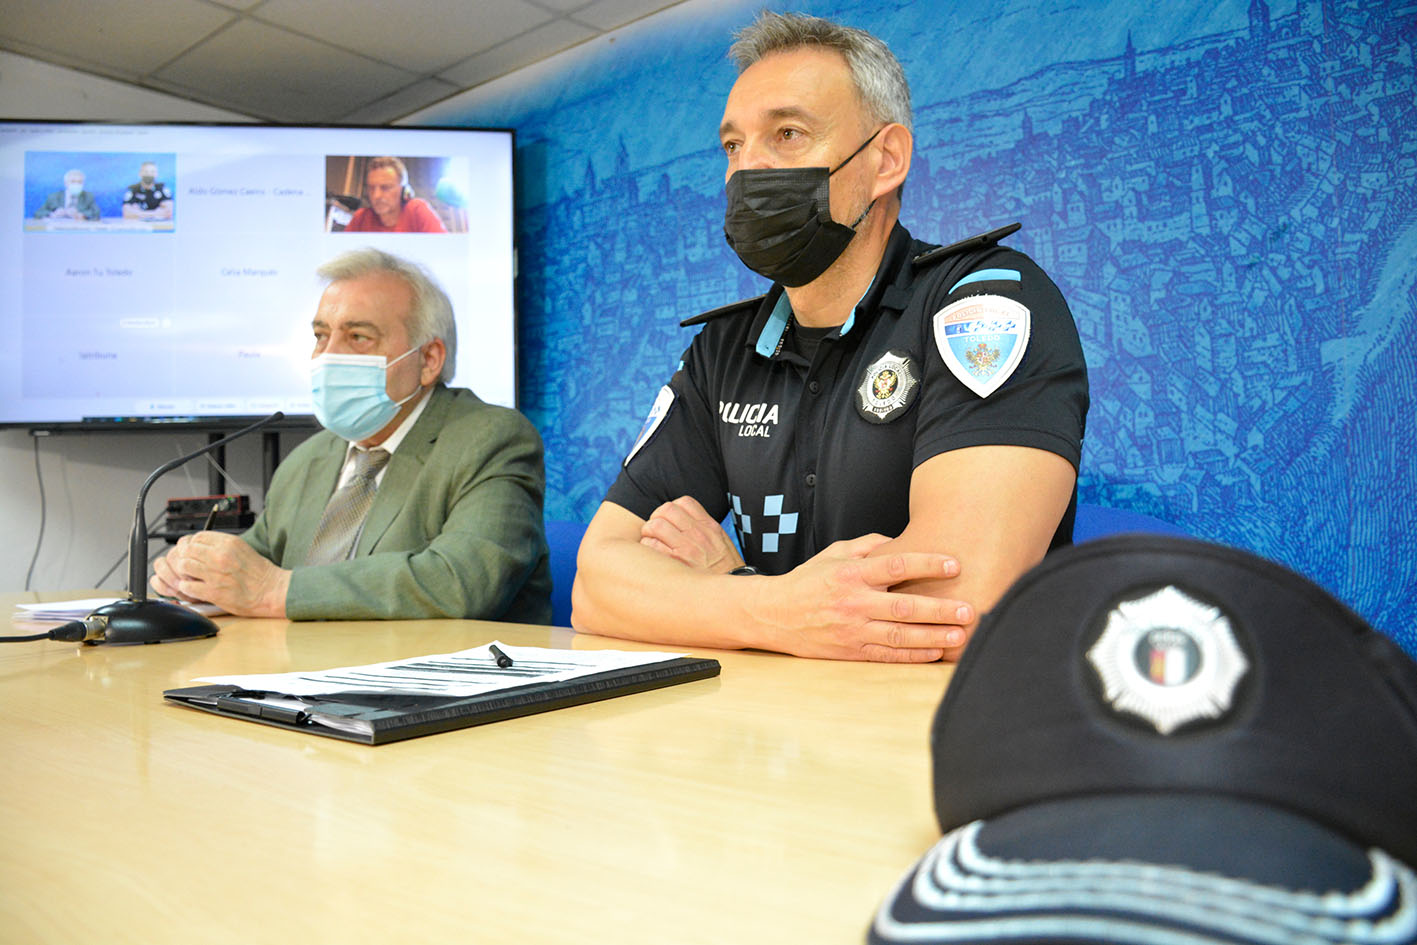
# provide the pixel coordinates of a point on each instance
(62, 611)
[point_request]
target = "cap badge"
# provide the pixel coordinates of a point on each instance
(1169, 659)
(888, 387)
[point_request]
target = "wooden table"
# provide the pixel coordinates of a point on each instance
(778, 802)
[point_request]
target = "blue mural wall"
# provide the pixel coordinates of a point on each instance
(1226, 193)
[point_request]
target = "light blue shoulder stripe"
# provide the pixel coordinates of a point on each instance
(990, 275)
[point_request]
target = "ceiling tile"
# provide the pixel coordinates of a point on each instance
(403, 102)
(522, 51)
(609, 14)
(281, 76)
(32, 88)
(133, 37)
(308, 60)
(446, 30)
(563, 6)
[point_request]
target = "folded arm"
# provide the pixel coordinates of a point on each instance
(992, 509)
(995, 508)
(836, 605)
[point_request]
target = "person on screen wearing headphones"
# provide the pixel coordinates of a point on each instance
(392, 206)
(417, 500)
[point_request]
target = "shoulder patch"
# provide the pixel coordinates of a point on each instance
(982, 340)
(662, 402)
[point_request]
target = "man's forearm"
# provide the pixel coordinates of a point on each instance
(624, 589)
(460, 580)
(836, 605)
(995, 508)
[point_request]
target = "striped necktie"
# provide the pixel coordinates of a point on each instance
(344, 514)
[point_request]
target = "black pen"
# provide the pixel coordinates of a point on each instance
(211, 516)
(503, 660)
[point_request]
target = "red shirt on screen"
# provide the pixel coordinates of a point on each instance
(415, 217)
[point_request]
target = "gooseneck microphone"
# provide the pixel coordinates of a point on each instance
(139, 620)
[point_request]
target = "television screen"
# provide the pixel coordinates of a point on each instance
(166, 273)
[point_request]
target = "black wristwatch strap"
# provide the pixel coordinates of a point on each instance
(745, 569)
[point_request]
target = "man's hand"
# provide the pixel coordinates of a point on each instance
(846, 603)
(221, 569)
(685, 532)
(839, 605)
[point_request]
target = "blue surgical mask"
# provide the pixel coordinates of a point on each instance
(349, 393)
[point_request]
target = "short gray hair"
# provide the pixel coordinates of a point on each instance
(432, 314)
(875, 71)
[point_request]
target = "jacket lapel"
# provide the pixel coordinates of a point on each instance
(404, 468)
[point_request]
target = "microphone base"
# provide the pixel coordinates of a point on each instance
(152, 621)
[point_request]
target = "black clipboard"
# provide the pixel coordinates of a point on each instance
(380, 718)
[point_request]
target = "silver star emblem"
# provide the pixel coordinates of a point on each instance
(1169, 659)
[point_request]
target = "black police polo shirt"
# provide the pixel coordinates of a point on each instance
(805, 453)
(147, 198)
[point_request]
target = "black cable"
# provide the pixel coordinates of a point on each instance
(38, 542)
(75, 631)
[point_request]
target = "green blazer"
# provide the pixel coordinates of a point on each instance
(455, 530)
(84, 203)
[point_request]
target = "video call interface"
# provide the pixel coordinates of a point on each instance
(163, 272)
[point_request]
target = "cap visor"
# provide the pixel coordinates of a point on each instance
(1153, 870)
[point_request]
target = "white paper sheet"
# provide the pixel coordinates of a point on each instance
(62, 611)
(464, 673)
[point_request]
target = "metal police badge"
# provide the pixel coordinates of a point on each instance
(1169, 659)
(982, 340)
(888, 387)
(657, 413)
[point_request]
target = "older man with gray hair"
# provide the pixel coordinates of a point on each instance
(71, 203)
(416, 500)
(895, 427)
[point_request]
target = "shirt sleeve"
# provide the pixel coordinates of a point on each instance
(676, 452)
(1043, 401)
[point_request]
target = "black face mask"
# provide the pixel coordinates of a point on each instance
(779, 221)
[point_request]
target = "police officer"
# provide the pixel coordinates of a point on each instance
(149, 198)
(895, 428)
